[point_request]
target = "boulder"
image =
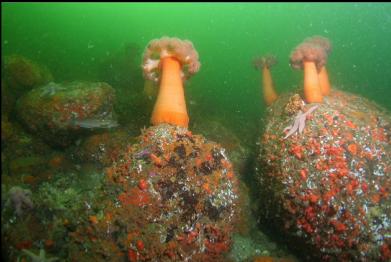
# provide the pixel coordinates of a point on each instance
(170, 196)
(325, 175)
(62, 113)
(22, 74)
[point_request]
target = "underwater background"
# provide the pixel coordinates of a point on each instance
(105, 42)
(74, 39)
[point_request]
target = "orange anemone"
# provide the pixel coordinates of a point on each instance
(312, 92)
(311, 58)
(324, 82)
(170, 61)
(324, 43)
(265, 63)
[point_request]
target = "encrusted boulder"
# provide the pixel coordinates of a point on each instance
(325, 176)
(60, 113)
(172, 196)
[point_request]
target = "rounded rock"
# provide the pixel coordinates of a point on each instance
(328, 187)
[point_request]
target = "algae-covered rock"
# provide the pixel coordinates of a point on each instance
(104, 148)
(60, 113)
(44, 217)
(25, 153)
(29, 165)
(22, 74)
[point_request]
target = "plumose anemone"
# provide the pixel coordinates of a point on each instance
(170, 61)
(311, 58)
(264, 63)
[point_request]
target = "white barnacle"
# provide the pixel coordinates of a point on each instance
(139, 168)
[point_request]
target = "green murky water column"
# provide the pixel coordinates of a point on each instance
(72, 38)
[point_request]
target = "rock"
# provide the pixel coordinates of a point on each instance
(171, 196)
(103, 148)
(24, 156)
(56, 208)
(22, 74)
(18, 143)
(61, 113)
(7, 99)
(237, 152)
(243, 248)
(7, 131)
(328, 188)
(27, 165)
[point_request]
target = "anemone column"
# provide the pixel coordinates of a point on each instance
(311, 58)
(170, 106)
(324, 43)
(165, 59)
(265, 63)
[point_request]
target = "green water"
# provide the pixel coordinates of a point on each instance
(73, 38)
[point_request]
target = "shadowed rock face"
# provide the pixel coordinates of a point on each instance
(237, 151)
(60, 113)
(328, 187)
(103, 148)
